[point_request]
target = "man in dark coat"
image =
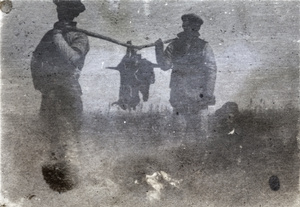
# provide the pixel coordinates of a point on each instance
(193, 70)
(56, 65)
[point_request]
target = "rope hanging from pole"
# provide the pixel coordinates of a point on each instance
(99, 36)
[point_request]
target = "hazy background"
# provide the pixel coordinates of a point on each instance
(255, 44)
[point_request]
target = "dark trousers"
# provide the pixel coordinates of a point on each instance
(61, 112)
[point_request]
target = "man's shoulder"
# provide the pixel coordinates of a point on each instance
(200, 44)
(202, 41)
(46, 40)
(174, 41)
(49, 34)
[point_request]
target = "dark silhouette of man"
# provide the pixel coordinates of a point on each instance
(193, 71)
(56, 65)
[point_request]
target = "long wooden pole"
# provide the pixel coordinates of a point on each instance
(99, 36)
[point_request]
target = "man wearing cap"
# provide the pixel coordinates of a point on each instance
(193, 71)
(56, 65)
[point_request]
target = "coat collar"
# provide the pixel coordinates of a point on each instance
(60, 25)
(188, 36)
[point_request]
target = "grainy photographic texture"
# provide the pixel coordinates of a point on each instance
(149, 103)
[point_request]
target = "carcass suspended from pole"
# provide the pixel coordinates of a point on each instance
(136, 76)
(136, 73)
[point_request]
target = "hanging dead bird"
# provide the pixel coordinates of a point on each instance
(136, 74)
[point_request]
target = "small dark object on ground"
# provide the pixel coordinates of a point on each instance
(274, 183)
(31, 196)
(60, 176)
(226, 118)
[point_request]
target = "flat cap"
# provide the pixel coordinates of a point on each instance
(75, 5)
(192, 18)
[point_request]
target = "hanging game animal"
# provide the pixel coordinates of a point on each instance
(136, 75)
